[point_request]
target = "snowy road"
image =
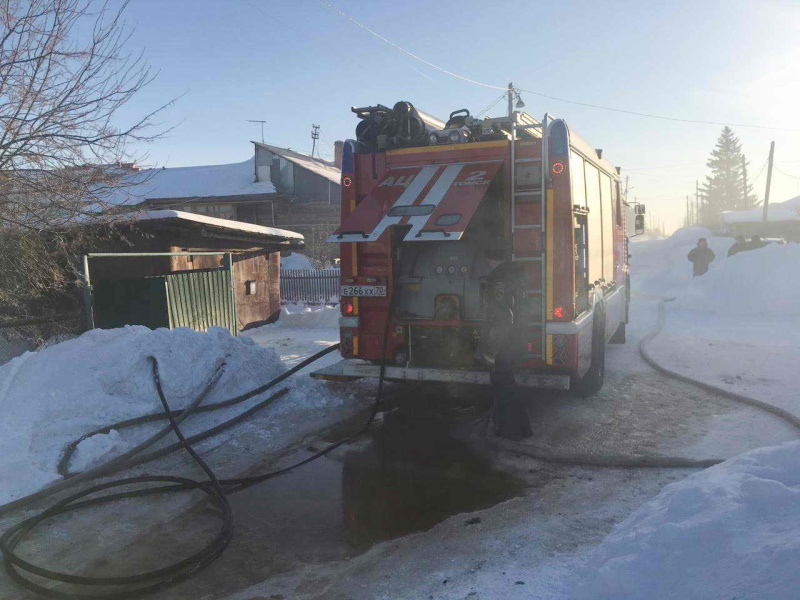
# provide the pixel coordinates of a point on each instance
(295, 533)
(531, 546)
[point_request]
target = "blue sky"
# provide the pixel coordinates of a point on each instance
(295, 62)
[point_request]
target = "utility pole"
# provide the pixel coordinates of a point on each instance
(769, 182)
(688, 220)
(697, 202)
(510, 100)
(314, 138)
(745, 198)
(262, 127)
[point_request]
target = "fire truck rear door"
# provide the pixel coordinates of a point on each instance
(437, 201)
(453, 199)
(400, 187)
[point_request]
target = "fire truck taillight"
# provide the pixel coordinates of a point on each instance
(559, 312)
(558, 168)
(348, 308)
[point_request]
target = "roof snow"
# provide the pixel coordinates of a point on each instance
(779, 211)
(210, 181)
(156, 215)
(323, 168)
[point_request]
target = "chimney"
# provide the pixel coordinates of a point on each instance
(338, 145)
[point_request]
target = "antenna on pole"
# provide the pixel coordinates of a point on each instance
(262, 127)
(314, 138)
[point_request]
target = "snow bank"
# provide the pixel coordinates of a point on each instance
(307, 317)
(661, 267)
(731, 531)
(296, 261)
(760, 282)
(54, 396)
(689, 235)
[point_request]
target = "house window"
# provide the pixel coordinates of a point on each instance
(250, 288)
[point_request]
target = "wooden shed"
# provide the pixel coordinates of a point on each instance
(175, 268)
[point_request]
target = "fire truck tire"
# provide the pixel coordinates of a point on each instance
(592, 381)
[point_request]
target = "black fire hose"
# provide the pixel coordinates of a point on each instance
(69, 450)
(150, 581)
(145, 583)
(128, 459)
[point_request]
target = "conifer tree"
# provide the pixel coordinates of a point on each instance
(724, 188)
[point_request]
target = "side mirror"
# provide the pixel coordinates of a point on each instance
(639, 224)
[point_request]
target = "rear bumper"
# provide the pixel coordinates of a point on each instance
(357, 369)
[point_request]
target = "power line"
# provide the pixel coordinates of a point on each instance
(652, 116)
(488, 108)
(664, 166)
(535, 93)
(784, 173)
(404, 51)
(760, 172)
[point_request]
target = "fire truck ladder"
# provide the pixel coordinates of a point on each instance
(521, 195)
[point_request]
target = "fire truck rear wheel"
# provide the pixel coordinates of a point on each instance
(592, 381)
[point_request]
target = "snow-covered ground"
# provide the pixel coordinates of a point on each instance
(51, 397)
(730, 531)
(299, 332)
(736, 327)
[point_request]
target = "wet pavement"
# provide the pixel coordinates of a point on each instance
(420, 463)
(412, 469)
(407, 474)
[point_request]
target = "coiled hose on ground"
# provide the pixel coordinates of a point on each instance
(216, 489)
(134, 586)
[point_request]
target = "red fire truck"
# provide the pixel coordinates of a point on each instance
(422, 200)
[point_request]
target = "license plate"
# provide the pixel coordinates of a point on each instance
(362, 290)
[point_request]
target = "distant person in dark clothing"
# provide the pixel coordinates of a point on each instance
(740, 245)
(502, 341)
(701, 257)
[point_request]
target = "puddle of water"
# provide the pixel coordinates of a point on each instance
(406, 475)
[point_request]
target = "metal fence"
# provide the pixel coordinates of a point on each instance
(310, 285)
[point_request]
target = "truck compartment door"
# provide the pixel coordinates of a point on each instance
(386, 204)
(437, 201)
(453, 201)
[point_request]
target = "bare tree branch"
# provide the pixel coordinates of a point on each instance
(65, 74)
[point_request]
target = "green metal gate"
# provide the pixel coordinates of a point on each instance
(197, 299)
(201, 299)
